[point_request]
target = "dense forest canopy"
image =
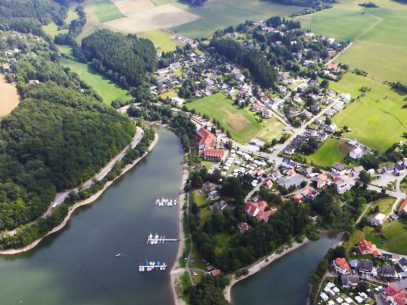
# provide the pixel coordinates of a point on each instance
(128, 60)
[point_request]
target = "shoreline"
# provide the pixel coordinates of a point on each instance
(175, 271)
(260, 265)
(79, 204)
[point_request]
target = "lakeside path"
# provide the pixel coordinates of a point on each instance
(176, 271)
(259, 265)
(79, 204)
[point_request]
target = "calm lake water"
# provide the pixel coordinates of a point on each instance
(79, 266)
(285, 281)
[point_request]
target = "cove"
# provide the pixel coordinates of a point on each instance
(79, 265)
(285, 281)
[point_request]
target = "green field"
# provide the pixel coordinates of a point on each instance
(385, 205)
(379, 43)
(378, 119)
(219, 14)
(106, 10)
(242, 124)
(396, 236)
(52, 29)
(332, 151)
(162, 40)
(103, 86)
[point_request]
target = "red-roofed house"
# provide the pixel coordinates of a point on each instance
(403, 207)
(258, 210)
(215, 272)
(395, 295)
(215, 155)
(243, 226)
(269, 184)
(341, 266)
(298, 197)
(207, 139)
(367, 247)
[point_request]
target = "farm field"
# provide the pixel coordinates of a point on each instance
(374, 32)
(162, 40)
(219, 14)
(241, 124)
(103, 86)
(9, 97)
(331, 151)
(106, 10)
(378, 119)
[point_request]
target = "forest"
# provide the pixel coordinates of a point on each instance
(259, 67)
(128, 60)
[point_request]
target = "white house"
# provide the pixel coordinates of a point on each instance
(356, 153)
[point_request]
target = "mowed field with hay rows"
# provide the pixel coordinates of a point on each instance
(243, 125)
(378, 35)
(9, 97)
(377, 119)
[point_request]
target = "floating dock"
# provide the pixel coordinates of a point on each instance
(152, 266)
(159, 239)
(165, 202)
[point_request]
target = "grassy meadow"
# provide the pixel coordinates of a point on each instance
(330, 152)
(242, 124)
(103, 86)
(379, 41)
(219, 14)
(106, 10)
(162, 40)
(53, 30)
(378, 119)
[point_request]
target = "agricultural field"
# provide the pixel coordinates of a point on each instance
(242, 124)
(374, 32)
(106, 10)
(219, 14)
(163, 40)
(103, 86)
(9, 97)
(330, 152)
(377, 119)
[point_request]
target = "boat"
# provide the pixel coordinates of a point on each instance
(118, 254)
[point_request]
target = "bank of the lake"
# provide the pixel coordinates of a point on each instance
(79, 266)
(285, 281)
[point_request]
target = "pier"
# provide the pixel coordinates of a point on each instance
(151, 266)
(165, 202)
(159, 239)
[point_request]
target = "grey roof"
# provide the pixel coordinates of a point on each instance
(350, 279)
(365, 265)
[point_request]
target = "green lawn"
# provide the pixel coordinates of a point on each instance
(396, 236)
(162, 40)
(219, 14)
(378, 119)
(103, 86)
(385, 205)
(106, 10)
(379, 42)
(199, 199)
(330, 152)
(242, 124)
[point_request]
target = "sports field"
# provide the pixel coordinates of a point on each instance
(219, 14)
(379, 45)
(378, 119)
(103, 86)
(330, 152)
(242, 124)
(9, 97)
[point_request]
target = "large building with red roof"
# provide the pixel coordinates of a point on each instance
(214, 155)
(403, 207)
(395, 295)
(207, 139)
(341, 266)
(258, 210)
(366, 247)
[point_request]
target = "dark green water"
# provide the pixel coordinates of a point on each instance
(285, 281)
(78, 266)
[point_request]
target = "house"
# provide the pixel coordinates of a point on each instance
(215, 272)
(207, 139)
(342, 187)
(256, 142)
(243, 227)
(395, 295)
(341, 266)
(387, 271)
(355, 172)
(310, 193)
(338, 168)
(321, 180)
(378, 219)
(403, 208)
(366, 247)
(288, 163)
(350, 281)
(268, 183)
(240, 77)
(214, 155)
(365, 267)
(220, 206)
(266, 114)
(258, 210)
(356, 153)
(403, 264)
(332, 128)
(297, 197)
(177, 101)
